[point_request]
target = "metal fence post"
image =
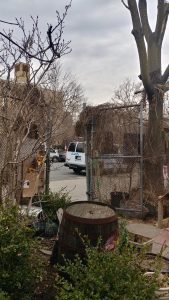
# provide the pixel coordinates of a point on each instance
(141, 156)
(48, 140)
(87, 163)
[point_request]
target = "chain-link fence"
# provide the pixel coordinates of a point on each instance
(115, 156)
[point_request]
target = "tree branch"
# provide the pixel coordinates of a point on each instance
(32, 46)
(160, 12)
(163, 87)
(144, 19)
(165, 76)
(125, 4)
(162, 18)
(139, 38)
(23, 49)
(9, 23)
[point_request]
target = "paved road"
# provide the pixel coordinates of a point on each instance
(62, 177)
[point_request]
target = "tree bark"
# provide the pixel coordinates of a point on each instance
(154, 155)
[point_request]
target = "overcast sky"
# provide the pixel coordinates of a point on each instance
(103, 50)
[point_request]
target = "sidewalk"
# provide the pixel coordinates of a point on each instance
(77, 190)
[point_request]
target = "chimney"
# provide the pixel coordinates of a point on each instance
(22, 73)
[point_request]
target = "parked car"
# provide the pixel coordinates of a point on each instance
(57, 155)
(62, 155)
(75, 157)
(54, 155)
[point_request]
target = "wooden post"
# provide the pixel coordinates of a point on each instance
(160, 212)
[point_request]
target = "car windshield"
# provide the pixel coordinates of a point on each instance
(72, 147)
(80, 147)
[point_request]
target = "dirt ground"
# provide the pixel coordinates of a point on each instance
(45, 290)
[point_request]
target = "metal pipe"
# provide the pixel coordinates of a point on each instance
(91, 163)
(141, 155)
(47, 179)
(48, 141)
(87, 164)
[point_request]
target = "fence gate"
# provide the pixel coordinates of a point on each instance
(114, 156)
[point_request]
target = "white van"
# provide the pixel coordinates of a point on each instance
(75, 157)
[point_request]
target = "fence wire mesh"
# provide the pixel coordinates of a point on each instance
(114, 156)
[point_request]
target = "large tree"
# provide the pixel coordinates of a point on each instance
(149, 46)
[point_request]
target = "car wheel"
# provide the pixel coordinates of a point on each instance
(55, 159)
(76, 171)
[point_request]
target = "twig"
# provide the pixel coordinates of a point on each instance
(125, 4)
(9, 23)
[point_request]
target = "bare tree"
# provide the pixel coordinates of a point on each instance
(24, 101)
(33, 47)
(149, 46)
(127, 93)
(66, 96)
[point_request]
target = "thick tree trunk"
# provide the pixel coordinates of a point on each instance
(154, 155)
